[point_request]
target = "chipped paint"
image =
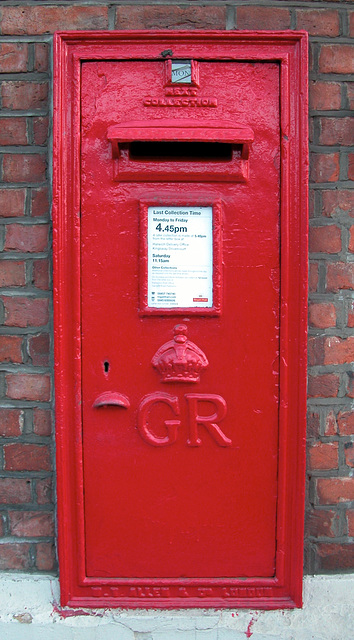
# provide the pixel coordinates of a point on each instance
(249, 632)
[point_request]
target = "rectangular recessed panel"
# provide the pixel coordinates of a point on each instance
(177, 503)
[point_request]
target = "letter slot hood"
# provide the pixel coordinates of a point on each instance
(175, 151)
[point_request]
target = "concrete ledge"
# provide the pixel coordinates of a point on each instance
(29, 610)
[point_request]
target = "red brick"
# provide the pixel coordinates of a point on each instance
(322, 523)
(336, 131)
(324, 350)
(311, 130)
(10, 349)
(44, 491)
(40, 202)
(350, 519)
(171, 17)
(311, 56)
(350, 320)
(28, 386)
(316, 350)
(40, 130)
(40, 273)
(24, 168)
(27, 457)
(340, 275)
(324, 167)
(325, 239)
(331, 427)
(312, 212)
(42, 422)
(338, 350)
(12, 273)
(349, 454)
(346, 423)
(45, 556)
(313, 277)
(323, 22)
(313, 425)
(337, 202)
(332, 1)
(325, 95)
(322, 315)
(351, 23)
(13, 57)
(12, 202)
(1, 527)
(334, 557)
(35, 20)
(41, 56)
(336, 58)
(27, 238)
(22, 95)
(15, 490)
(335, 490)
(350, 166)
(13, 131)
(15, 556)
(11, 422)
(262, 18)
(323, 455)
(38, 349)
(31, 524)
(25, 312)
(350, 94)
(323, 386)
(351, 239)
(350, 389)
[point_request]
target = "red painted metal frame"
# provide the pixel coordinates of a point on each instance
(284, 590)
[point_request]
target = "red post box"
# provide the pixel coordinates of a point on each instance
(180, 279)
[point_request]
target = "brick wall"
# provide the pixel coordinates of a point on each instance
(26, 447)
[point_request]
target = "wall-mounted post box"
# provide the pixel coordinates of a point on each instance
(180, 280)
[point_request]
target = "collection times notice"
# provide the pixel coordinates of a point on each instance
(180, 257)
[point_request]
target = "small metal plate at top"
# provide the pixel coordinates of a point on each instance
(181, 71)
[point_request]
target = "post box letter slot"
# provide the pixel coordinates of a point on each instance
(165, 151)
(183, 151)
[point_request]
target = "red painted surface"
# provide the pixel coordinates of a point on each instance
(186, 488)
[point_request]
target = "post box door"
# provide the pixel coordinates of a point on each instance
(180, 253)
(180, 469)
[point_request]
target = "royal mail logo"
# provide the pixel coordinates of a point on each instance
(197, 419)
(180, 360)
(177, 360)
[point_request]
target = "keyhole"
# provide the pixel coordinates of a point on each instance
(106, 366)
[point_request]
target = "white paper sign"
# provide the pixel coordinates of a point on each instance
(180, 257)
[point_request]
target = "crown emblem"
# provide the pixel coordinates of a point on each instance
(179, 360)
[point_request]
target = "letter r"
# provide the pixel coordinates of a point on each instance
(208, 421)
